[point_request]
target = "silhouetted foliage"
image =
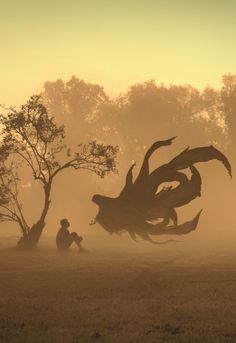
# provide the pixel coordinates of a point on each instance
(75, 101)
(228, 106)
(30, 135)
(136, 118)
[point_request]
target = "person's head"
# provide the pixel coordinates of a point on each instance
(64, 223)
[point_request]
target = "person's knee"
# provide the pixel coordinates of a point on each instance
(76, 237)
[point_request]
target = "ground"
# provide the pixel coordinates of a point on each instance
(170, 293)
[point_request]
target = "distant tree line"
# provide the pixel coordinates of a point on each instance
(147, 111)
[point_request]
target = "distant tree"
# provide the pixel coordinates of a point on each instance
(228, 107)
(149, 110)
(76, 102)
(86, 110)
(30, 136)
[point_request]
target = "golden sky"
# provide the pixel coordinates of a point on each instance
(114, 43)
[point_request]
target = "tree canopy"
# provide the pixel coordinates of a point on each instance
(30, 136)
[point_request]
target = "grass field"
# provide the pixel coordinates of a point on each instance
(170, 293)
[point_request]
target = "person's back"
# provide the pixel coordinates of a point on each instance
(62, 238)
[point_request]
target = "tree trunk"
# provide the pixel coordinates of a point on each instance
(30, 241)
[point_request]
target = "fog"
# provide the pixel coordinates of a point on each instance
(145, 113)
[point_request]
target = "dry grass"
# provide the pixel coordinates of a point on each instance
(169, 294)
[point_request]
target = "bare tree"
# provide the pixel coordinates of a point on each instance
(31, 136)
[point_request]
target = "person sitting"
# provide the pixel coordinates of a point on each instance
(64, 238)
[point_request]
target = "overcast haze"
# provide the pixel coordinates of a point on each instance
(114, 43)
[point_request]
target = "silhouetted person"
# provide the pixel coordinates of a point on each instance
(64, 238)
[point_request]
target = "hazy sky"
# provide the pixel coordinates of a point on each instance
(114, 43)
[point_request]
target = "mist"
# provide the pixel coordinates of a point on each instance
(145, 113)
(117, 171)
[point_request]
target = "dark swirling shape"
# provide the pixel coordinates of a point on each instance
(141, 209)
